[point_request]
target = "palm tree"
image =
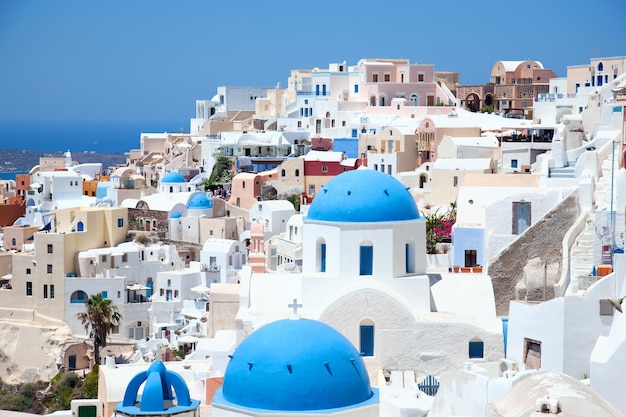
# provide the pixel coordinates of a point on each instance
(99, 320)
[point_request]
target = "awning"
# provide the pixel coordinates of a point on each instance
(187, 339)
(7, 276)
(137, 287)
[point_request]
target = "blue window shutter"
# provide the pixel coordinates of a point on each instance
(476, 350)
(105, 294)
(356, 88)
(323, 257)
(355, 133)
(367, 340)
(367, 259)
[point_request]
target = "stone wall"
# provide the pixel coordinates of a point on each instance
(518, 272)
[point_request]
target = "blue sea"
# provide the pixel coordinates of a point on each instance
(81, 136)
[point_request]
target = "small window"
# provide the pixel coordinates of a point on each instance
(375, 78)
(282, 172)
(355, 133)
(324, 168)
(455, 181)
(297, 172)
(49, 248)
(28, 271)
(356, 88)
(49, 268)
(387, 78)
(420, 78)
(120, 222)
(29, 288)
(513, 163)
(13, 242)
(476, 349)
(52, 291)
(45, 290)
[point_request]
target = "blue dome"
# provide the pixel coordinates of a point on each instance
(296, 365)
(157, 397)
(363, 195)
(173, 176)
(199, 201)
(176, 215)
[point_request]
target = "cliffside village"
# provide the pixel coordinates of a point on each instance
(460, 246)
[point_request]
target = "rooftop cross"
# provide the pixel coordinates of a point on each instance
(295, 307)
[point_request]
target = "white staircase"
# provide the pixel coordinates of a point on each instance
(581, 255)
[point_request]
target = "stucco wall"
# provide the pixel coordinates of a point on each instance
(544, 241)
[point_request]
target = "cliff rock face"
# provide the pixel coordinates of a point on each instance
(30, 353)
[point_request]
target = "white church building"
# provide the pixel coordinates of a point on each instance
(364, 273)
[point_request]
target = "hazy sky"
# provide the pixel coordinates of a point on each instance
(151, 59)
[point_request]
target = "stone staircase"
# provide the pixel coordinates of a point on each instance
(563, 172)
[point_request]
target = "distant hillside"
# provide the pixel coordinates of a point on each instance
(12, 160)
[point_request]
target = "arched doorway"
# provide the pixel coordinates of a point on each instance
(472, 102)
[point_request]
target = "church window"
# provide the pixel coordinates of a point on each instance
(366, 336)
(476, 349)
(366, 260)
(321, 255)
(409, 258)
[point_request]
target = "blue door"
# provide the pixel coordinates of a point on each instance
(521, 217)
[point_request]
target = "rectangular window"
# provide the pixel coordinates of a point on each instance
(120, 222)
(49, 268)
(420, 78)
(105, 294)
(476, 349)
(367, 340)
(27, 271)
(513, 163)
(387, 78)
(45, 290)
(355, 133)
(356, 88)
(455, 181)
(29, 288)
(323, 257)
(52, 291)
(366, 260)
(375, 78)
(49, 248)
(324, 168)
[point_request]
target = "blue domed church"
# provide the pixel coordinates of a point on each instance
(293, 367)
(364, 272)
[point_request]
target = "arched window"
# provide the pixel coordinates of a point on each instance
(476, 349)
(171, 189)
(321, 255)
(366, 258)
(366, 338)
(78, 297)
(13, 242)
(409, 257)
(415, 99)
(373, 101)
(382, 100)
(600, 67)
(80, 227)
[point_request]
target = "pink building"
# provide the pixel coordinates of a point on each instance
(382, 80)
